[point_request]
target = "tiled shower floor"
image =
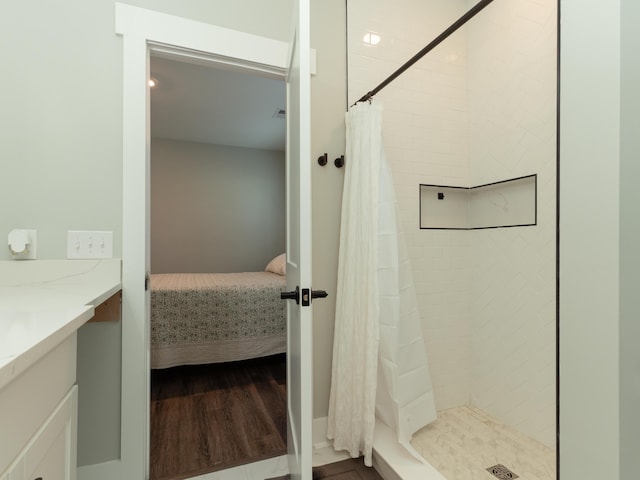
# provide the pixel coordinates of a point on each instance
(463, 442)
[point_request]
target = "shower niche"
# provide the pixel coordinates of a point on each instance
(507, 203)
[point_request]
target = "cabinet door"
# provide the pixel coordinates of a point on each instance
(51, 455)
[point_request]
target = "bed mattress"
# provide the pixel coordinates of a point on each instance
(201, 318)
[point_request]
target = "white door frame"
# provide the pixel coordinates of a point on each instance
(299, 314)
(145, 31)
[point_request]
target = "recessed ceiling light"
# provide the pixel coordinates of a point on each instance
(371, 38)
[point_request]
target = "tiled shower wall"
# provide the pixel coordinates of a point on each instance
(425, 133)
(511, 77)
(483, 295)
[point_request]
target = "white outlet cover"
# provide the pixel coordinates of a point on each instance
(89, 244)
(30, 252)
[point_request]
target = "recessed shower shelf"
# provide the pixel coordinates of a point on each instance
(507, 203)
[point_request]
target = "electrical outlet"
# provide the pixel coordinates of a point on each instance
(23, 244)
(89, 244)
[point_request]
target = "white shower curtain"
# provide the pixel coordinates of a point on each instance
(379, 358)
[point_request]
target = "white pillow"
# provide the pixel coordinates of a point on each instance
(278, 265)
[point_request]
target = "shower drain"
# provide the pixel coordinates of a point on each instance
(501, 472)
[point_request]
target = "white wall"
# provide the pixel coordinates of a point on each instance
(599, 236)
(425, 134)
(62, 110)
(477, 109)
(61, 123)
(512, 78)
(99, 392)
(328, 106)
(629, 240)
(590, 242)
(215, 208)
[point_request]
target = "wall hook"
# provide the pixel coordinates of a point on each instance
(322, 160)
(339, 162)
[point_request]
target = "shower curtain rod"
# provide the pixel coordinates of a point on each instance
(477, 8)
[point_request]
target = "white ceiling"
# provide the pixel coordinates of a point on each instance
(203, 104)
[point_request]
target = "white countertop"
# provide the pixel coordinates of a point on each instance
(43, 302)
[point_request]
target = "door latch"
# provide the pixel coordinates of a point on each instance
(308, 295)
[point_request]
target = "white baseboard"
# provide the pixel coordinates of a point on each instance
(323, 452)
(319, 433)
(99, 471)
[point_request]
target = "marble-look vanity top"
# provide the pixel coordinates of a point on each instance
(43, 302)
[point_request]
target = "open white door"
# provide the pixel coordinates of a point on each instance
(145, 30)
(299, 331)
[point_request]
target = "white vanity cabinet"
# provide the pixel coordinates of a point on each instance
(39, 418)
(42, 306)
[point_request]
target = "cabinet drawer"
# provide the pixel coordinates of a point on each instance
(51, 453)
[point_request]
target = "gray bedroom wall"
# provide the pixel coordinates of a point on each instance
(215, 208)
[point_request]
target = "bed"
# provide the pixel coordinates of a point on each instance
(199, 318)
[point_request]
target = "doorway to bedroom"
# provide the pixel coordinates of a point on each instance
(218, 326)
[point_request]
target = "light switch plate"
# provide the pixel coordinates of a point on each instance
(89, 244)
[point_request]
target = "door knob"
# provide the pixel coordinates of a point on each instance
(292, 295)
(307, 295)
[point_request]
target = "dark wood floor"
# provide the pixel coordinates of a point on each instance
(352, 469)
(210, 417)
